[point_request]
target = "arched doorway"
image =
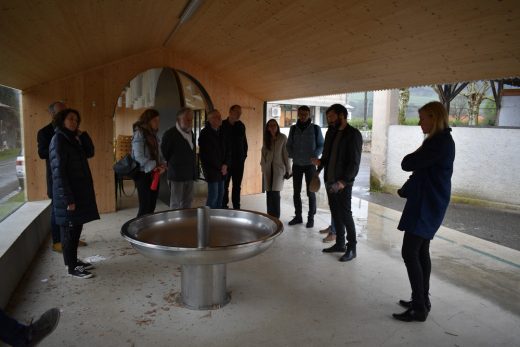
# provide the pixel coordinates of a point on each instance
(167, 90)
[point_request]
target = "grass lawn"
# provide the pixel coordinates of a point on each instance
(9, 153)
(12, 204)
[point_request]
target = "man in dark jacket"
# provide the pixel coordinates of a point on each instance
(44, 137)
(341, 168)
(178, 148)
(304, 142)
(235, 133)
(215, 156)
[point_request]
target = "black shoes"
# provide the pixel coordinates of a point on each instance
(411, 315)
(310, 223)
(408, 304)
(334, 249)
(296, 220)
(349, 254)
(41, 328)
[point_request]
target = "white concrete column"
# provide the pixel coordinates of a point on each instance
(385, 112)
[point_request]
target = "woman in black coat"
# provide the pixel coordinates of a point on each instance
(428, 194)
(74, 200)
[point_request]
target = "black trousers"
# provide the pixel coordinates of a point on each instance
(298, 173)
(147, 197)
(236, 173)
(69, 242)
(273, 203)
(341, 210)
(416, 255)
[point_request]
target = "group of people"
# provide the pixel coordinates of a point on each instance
(427, 190)
(339, 155)
(223, 151)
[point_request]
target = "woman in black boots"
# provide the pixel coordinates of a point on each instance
(275, 165)
(427, 194)
(74, 200)
(146, 151)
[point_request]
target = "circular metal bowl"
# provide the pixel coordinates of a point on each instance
(233, 235)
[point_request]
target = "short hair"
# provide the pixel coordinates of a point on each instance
(212, 112)
(232, 108)
(438, 112)
(59, 119)
(183, 111)
(51, 106)
(304, 108)
(338, 109)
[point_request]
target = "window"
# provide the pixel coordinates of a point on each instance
(12, 161)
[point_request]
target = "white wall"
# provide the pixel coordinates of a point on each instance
(487, 164)
(510, 111)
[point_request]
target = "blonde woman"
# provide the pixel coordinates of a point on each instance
(275, 165)
(427, 194)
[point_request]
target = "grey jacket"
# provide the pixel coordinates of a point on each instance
(141, 153)
(275, 164)
(304, 145)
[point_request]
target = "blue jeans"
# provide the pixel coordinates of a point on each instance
(332, 228)
(215, 194)
(12, 332)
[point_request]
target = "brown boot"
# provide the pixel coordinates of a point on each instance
(330, 238)
(56, 247)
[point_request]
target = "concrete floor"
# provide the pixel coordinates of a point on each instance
(291, 295)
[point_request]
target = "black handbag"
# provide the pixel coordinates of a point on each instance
(126, 166)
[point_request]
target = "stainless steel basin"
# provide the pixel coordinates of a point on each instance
(202, 240)
(233, 235)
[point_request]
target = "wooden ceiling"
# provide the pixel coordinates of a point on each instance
(272, 49)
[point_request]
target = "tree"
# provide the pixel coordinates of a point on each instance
(475, 93)
(448, 92)
(404, 98)
(459, 109)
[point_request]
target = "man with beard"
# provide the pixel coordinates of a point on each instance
(341, 165)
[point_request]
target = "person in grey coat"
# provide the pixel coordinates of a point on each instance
(275, 165)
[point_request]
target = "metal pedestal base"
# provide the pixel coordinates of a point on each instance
(203, 287)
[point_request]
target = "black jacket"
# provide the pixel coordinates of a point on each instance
(428, 189)
(214, 151)
(181, 158)
(327, 144)
(348, 157)
(236, 135)
(44, 138)
(71, 178)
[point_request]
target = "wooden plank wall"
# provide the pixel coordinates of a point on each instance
(94, 93)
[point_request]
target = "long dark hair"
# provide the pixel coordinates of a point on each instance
(268, 139)
(59, 118)
(143, 125)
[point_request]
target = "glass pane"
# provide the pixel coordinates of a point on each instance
(12, 160)
(193, 96)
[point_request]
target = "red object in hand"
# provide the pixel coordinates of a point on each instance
(155, 182)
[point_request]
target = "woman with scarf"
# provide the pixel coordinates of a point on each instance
(145, 150)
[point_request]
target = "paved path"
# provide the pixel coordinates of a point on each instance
(498, 226)
(8, 179)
